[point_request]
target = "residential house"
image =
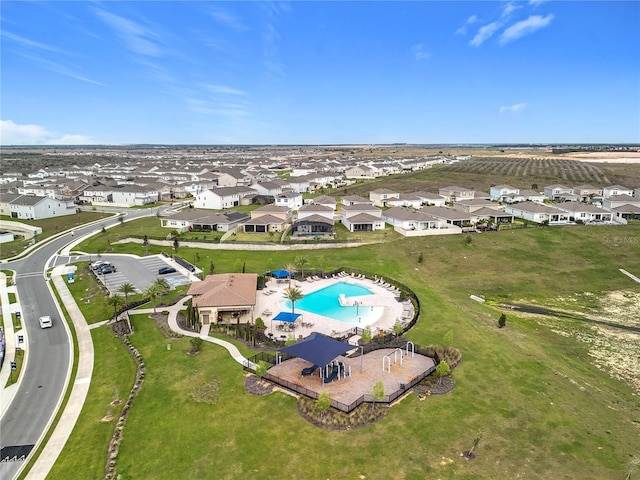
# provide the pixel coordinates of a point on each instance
(471, 206)
(225, 298)
(232, 177)
(30, 207)
(502, 193)
(268, 219)
(560, 193)
(405, 200)
(194, 219)
(222, 198)
(451, 216)
(453, 193)
(615, 190)
(325, 200)
(410, 222)
(355, 200)
(585, 212)
(97, 194)
(619, 200)
(360, 171)
(381, 196)
(362, 218)
(429, 198)
(133, 195)
(586, 193)
(289, 199)
(539, 213)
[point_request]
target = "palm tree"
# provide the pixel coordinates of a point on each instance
(154, 291)
(291, 268)
(127, 289)
(115, 301)
(301, 261)
(162, 284)
(293, 295)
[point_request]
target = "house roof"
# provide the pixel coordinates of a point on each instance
(627, 208)
(363, 218)
(266, 219)
(226, 289)
(315, 219)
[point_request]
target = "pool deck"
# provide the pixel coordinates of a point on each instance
(380, 310)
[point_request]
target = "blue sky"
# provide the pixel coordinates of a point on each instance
(117, 72)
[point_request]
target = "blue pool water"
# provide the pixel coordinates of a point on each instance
(325, 302)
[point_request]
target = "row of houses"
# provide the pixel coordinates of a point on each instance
(29, 207)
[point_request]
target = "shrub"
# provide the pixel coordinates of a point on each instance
(502, 321)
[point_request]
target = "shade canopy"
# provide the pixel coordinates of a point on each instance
(318, 349)
(281, 273)
(287, 317)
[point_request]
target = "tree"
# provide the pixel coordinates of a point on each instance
(176, 243)
(398, 328)
(502, 321)
(291, 340)
(448, 338)
(377, 393)
(323, 402)
(442, 370)
(261, 368)
(116, 302)
(468, 240)
(301, 261)
(366, 334)
(154, 291)
(196, 344)
(291, 268)
(293, 295)
(145, 241)
(420, 258)
(212, 267)
(127, 289)
(469, 455)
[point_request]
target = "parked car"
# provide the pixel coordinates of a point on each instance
(165, 270)
(98, 264)
(107, 269)
(45, 322)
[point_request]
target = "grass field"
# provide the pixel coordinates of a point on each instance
(543, 408)
(50, 227)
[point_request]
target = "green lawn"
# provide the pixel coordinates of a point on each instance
(50, 227)
(543, 409)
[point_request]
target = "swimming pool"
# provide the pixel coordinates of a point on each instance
(326, 302)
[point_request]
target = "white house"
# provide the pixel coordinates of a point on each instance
(614, 190)
(409, 223)
(381, 196)
(133, 195)
(429, 198)
(30, 207)
(585, 212)
(538, 213)
(502, 193)
(222, 198)
(290, 199)
(454, 193)
(362, 218)
(405, 200)
(312, 209)
(560, 193)
(355, 200)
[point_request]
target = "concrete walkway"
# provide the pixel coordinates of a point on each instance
(203, 334)
(11, 342)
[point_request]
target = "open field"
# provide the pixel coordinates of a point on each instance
(546, 406)
(50, 227)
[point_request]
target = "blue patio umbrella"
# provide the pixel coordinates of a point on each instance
(281, 273)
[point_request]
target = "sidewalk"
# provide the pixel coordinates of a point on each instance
(203, 334)
(11, 339)
(80, 387)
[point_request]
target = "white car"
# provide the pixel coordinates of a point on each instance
(46, 322)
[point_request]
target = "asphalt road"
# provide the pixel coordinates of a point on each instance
(44, 378)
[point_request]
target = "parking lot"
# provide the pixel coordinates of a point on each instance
(141, 272)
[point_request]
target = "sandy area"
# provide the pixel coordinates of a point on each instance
(379, 310)
(587, 157)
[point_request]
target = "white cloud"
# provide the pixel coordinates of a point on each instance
(470, 21)
(12, 133)
(228, 19)
(32, 44)
(509, 8)
(419, 52)
(535, 3)
(138, 38)
(484, 33)
(515, 108)
(225, 90)
(525, 27)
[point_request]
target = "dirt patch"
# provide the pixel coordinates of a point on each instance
(257, 386)
(116, 402)
(435, 386)
(611, 329)
(106, 418)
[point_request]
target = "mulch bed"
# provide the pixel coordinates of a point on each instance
(257, 386)
(438, 386)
